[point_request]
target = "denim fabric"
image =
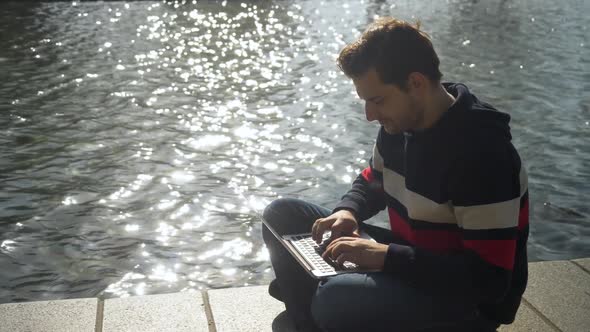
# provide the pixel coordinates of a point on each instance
(355, 301)
(291, 216)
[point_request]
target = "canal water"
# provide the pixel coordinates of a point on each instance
(139, 141)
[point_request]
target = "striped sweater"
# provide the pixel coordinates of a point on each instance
(457, 200)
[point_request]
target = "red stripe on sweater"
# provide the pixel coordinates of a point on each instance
(368, 175)
(497, 252)
(523, 216)
(399, 226)
(434, 240)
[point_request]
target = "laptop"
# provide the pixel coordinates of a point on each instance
(309, 254)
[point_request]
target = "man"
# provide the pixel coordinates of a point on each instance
(454, 188)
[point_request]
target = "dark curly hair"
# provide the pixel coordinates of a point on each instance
(395, 49)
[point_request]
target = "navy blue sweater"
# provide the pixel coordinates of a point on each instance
(457, 195)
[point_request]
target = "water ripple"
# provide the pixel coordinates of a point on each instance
(143, 139)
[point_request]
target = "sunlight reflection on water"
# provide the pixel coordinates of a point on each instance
(154, 134)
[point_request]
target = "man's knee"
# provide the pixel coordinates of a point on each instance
(277, 208)
(281, 209)
(275, 214)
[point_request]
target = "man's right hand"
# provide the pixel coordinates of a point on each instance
(341, 223)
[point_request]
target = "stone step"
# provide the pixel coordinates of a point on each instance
(557, 299)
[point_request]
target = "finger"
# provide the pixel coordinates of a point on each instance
(344, 257)
(314, 228)
(330, 248)
(336, 248)
(337, 230)
(340, 245)
(327, 255)
(341, 239)
(328, 252)
(335, 234)
(321, 227)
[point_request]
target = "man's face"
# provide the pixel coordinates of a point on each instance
(395, 109)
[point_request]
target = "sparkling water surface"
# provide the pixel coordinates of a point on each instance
(140, 141)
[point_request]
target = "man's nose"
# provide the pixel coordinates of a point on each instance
(369, 112)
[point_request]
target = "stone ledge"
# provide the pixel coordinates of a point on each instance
(248, 309)
(176, 312)
(560, 291)
(557, 299)
(77, 315)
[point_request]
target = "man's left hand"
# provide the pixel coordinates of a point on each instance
(364, 253)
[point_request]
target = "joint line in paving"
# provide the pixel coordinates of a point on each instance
(99, 315)
(541, 315)
(208, 311)
(580, 266)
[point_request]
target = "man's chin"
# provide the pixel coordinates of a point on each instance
(390, 130)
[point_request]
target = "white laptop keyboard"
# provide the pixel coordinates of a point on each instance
(312, 252)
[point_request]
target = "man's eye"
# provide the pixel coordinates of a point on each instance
(379, 102)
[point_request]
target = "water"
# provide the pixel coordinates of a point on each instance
(139, 141)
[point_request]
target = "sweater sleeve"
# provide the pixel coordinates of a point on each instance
(366, 198)
(485, 190)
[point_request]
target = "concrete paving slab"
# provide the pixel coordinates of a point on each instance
(78, 315)
(560, 290)
(584, 262)
(248, 309)
(527, 320)
(178, 312)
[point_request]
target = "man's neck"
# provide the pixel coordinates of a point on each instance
(435, 106)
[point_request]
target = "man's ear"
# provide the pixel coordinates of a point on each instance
(416, 81)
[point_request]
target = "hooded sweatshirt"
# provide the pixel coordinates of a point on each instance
(457, 199)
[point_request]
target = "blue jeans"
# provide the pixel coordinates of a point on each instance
(356, 301)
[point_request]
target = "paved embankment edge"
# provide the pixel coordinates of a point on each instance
(557, 299)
